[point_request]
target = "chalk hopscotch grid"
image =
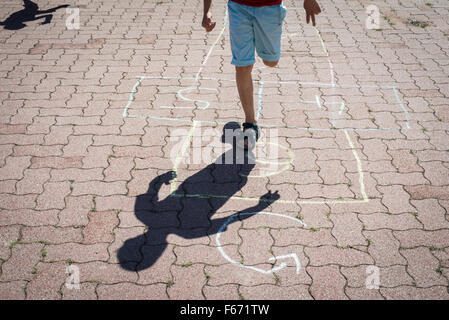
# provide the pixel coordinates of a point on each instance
(261, 83)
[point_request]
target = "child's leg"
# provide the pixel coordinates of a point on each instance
(268, 33)
(241, 32)
(245, 89)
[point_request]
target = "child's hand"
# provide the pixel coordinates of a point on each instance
(312, 8)
(208, 24)
(269, 197)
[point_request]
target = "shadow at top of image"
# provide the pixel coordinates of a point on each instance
(16, 20)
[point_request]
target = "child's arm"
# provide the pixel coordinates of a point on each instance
(312, 8)
(207, 23)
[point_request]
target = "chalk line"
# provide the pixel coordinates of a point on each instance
(359, 167)
(324, 201)
(131, 96)
(407, 117)
(342, 107)
(274, 269)
(179, 157)
(318, 102)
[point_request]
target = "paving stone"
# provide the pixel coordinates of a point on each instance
(33, 181)
(422, 266)
(384, 248)
(12, 290)
(132, 291)
(396, 199)
(224, 292)
(47, 282)
(98, 188)
(76, 211)
(419, 192)
(273, 292)
(86, 291)
(100, 227)
(415, 237)
(190, 288)
(14, 167)
(412, 293)
(363, 294)
(436, 173)
(8, 235)
(53, 195)
(50, 234)
(28, 217)
(78, 253)
(105, 273)
(402, 221)
(332, 255)
(328, 283)
(155, 265)
(347, 229)
(229, 273)
(431, 214)
(20, 265)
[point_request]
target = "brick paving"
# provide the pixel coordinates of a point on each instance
(93, 121)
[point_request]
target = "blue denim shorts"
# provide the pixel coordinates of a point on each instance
(255, 28)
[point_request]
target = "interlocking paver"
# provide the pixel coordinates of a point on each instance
(12, 290)
(423, 267)
(100, 227)
(328, 283)
(384, 248)
(47, 281)
(20, 265)
(97, 128)
(345, 235)
(131, 291)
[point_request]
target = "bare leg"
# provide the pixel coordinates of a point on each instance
(245, 89)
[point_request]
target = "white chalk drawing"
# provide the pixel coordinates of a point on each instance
(189, 89)
(318, 101)
(293, 256)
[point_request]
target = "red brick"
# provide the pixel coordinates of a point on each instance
(100, 227)
(53, 195)
(331, 255)
(188, 282)
(20, 265)
(328, 283)
(13, 290)
(131, 291)
(78, 253)
(99, 188)
(50, 234)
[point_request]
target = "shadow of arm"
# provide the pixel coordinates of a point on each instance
(156, 184)
(221, 224)
(52, 9)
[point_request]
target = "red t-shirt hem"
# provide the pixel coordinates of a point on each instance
(258, 3)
